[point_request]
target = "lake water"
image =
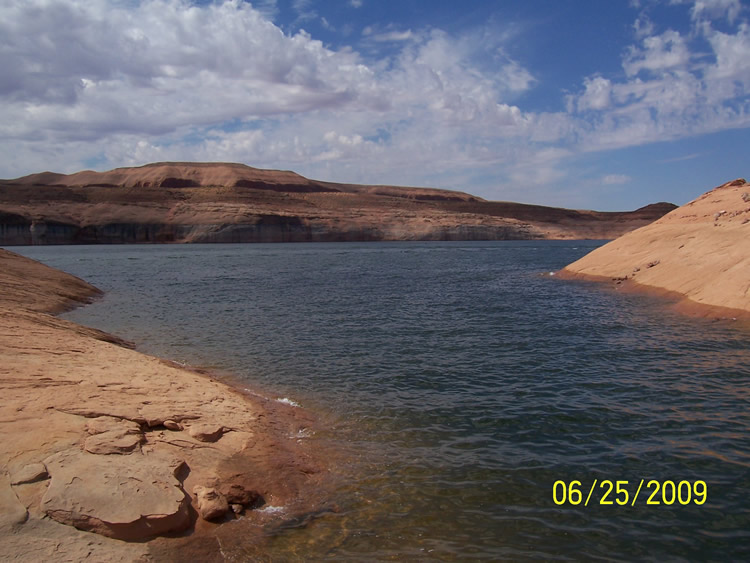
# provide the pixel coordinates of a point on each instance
(461, 381)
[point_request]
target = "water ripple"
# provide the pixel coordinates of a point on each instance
(464, 384)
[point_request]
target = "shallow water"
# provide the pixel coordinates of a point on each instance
(462, 381)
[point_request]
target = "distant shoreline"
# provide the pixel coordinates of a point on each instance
(182, 202)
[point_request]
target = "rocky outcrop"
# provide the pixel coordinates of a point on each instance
(206, 432)
(30, 474)
(112, 436)
(700, 252)
(99, 441)
(127, 498)
(218, 202)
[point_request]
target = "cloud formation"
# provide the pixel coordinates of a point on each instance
(671, 91)
(109, 83)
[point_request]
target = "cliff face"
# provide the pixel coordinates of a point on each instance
(216, 202)
(700, 251)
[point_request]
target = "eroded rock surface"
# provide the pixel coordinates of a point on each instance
(29, 474)
(126, 498)
(112, 436)
(206, 432)
(111, 427)
(12, 512)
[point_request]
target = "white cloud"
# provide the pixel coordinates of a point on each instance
(355, 3)
(96, 69)
(707, 9)
(125, 83)
(515, 76)
(732, 55)
(597, 94)
(304, 10)
(393, 35)
(268, 8)
(659, 53)
(666, 95)
(615, 179)
(156, 80)
(643, 26)
(681, 158)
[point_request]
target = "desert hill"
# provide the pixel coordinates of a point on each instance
(225, 202)
(700, 251)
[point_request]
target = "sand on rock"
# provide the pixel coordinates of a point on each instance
(700, 251)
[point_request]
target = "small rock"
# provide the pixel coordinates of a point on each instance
(206, 432)
(155, 415)
(113, 442)
(746, 197)
(652, 264)
(211, 503)
(237, 508)
(237, 493)
(102, 424)
(110, 435)
(172, 425)
(30, 474)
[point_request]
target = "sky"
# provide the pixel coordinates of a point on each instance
(594, 104)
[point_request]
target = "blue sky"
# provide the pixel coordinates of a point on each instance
(579, 103)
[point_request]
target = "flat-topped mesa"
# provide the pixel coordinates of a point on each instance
(178, 175)
(227, 175)
(700, 251)
(225, 202)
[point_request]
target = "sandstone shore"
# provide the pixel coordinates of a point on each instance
(113, 455)
(699, 254)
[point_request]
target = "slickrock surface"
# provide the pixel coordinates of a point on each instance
(224, 202)
(700, 251)
(102, 445)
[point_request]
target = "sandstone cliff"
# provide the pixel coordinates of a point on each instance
(102, 444)
(700, 251)
(219, 202)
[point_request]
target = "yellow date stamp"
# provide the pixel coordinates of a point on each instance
(620, 493)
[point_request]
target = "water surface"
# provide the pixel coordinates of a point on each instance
(462, 381)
